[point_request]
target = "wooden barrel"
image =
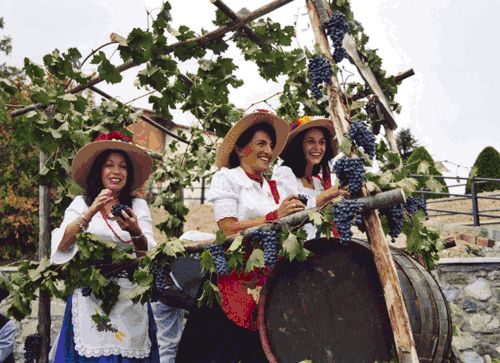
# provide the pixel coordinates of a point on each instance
(331, 308)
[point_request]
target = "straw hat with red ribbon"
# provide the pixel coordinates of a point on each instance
(278, 124)
(115, 140)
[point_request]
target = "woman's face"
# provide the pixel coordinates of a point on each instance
(114, 172)
(314, 146)
(256, 156)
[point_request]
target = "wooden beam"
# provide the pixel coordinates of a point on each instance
(200, 41)
(400, 322)
(245, 29)
(370, 203)
(403, 75)
(337, 110)
(399, 78)
(366, 73)
(391, 139)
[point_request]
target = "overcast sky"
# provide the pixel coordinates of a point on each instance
(451, 104)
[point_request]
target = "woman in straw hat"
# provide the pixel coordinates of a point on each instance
(309, 149)
(242, 198)
(108, 170)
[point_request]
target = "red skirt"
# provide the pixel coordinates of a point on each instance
(240, 293)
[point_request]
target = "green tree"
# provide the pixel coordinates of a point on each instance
(487, 165)
(406, 143)
(421, 162)
(19, 165)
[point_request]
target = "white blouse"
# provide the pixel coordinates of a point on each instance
(234, 194)
(292, 185)
(129, 318)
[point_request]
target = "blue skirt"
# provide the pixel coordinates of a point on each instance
(66, 351)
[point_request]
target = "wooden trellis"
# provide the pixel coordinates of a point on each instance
(340, 117)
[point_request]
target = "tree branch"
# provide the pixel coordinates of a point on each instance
(200, 41)
(245, 29)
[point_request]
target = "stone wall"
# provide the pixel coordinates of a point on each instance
(472, 288)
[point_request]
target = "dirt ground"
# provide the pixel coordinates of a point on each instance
(201, 218)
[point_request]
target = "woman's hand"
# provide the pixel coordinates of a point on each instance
(104, 197)
(290, 205)
(129, 223)
(335, 192)
(329, 194)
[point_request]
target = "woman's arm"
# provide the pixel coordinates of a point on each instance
(139, 226)
(329, 194)
(81, 223)
(231, 225)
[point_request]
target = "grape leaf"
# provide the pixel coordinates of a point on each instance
(256, 259)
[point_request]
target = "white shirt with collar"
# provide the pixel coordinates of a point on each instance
(235, 195)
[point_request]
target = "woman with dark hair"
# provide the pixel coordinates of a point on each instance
(108, 169)
(242, 198)
(309, 149)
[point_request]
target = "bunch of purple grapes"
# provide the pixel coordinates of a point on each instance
(269, 243)
(116, 210)
(395, 218)
(363, 137)
(160, 275)
(350, 172)
(86, 291)
(319, 71)
(219, 258)
(343, 215)
(336, 28)
(415, 203)
(32, 346)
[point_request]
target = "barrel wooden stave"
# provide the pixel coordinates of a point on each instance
(301, 335)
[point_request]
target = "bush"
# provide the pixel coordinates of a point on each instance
(487, 165)
(421, 154)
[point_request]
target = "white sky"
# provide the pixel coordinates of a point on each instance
(450, 104)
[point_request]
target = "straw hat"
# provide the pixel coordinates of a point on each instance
(229, 142)
(307, 122)
(115, 140)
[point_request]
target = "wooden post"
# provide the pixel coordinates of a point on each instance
(336, 109)
(393, 295)
(44, 251)
(391, 139)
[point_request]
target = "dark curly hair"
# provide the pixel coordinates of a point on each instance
(294, 158)
(245, 138)
(94, 185)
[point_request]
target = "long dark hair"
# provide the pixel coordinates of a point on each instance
(294, 156)
(245, 138)
(94, 185)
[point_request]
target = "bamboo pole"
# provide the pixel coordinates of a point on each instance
(398, 315)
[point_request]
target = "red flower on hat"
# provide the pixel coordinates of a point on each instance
(113, 135)
(263, 110)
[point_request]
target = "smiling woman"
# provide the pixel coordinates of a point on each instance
(108, 169)
(310, 146)
(242, 198)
